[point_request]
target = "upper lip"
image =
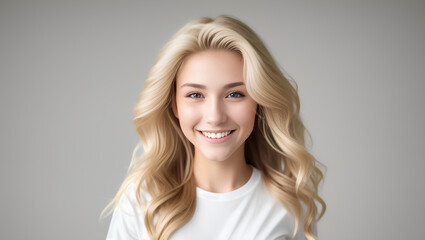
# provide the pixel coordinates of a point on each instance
(216, 131)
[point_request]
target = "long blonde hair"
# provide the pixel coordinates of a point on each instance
(276, 146)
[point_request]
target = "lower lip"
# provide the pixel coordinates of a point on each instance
(217, 140)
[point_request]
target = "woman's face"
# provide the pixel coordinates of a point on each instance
(215, 112)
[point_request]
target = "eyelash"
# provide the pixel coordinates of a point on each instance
(240, 94)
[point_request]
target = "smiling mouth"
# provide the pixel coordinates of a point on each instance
(216, 135)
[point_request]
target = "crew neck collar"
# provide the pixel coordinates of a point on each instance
(237, 193)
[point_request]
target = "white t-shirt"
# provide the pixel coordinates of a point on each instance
(249, 212)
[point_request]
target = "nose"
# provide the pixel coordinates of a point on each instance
(215, 112)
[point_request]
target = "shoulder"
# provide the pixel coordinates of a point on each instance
(127, 220)
(287, 218)
(300, 233)
(128, 201)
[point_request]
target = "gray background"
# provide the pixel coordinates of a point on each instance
(71, 71)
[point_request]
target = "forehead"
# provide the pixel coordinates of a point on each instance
(211, 66)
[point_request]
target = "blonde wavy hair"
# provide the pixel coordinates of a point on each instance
(276, 146)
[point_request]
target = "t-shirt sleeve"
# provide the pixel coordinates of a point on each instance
(127, 220)
(300, 233)
(314, 229)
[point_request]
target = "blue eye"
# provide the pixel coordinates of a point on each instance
(194, 95)
(236, 95)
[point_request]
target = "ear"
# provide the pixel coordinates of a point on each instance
(174, 108)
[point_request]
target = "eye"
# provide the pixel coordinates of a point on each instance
(194, 95)
(236, 95)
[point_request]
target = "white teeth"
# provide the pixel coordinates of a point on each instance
(216, 135)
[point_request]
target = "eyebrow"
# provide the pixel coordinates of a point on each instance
(195, 85)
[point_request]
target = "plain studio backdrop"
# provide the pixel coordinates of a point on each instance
(71, 72)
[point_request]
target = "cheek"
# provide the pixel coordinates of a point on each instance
(245, 114)
(187, 117)
(187, 112)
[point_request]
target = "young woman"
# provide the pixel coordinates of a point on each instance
(224, 153)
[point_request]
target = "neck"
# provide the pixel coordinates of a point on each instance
(221, 176)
